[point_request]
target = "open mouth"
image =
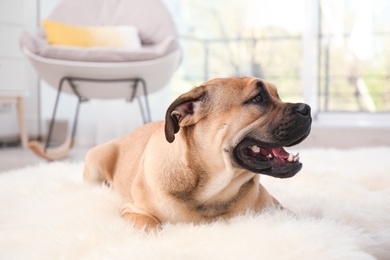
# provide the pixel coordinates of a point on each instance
(267, 159)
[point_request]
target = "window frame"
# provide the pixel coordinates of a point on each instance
(310, 79)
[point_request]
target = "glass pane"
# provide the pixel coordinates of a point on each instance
(355, 55)
(227, 38)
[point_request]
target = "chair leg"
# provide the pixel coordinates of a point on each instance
(50, 133)
(76, 118)
(145, 114)
(145, 111)
(61, 151)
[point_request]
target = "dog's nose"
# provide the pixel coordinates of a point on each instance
(302, 109)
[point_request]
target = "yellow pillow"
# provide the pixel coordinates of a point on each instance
(88, 36)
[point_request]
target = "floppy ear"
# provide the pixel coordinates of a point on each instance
(183, 112)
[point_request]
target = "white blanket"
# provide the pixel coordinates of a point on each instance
(341, 200)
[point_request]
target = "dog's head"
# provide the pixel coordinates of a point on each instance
(243, 118)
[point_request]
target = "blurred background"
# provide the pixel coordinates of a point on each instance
(332, 54)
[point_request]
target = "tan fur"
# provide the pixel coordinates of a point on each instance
(193, 178)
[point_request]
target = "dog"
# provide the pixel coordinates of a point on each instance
(204, 162)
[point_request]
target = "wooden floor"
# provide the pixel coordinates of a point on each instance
(17, 157)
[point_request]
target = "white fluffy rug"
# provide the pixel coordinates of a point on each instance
(341, 200)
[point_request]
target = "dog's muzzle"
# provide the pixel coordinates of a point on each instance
(271, 158)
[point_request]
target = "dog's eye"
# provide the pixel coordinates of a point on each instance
(257, 99)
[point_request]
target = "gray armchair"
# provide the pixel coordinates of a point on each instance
(104, 72)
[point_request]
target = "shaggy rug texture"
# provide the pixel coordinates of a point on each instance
(341, 201)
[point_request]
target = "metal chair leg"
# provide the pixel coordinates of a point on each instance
(49, 135)
(76, 116)
(146, 117)
(145, 109)
(75, 120)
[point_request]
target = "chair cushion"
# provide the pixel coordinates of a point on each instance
(151, 17)
(125, 37)
(39, 46)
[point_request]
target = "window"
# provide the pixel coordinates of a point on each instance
(332, 54)
(354, 56)
(226, 38)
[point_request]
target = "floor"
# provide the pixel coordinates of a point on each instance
(17, 157)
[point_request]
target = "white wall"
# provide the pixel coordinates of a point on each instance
(18, 78)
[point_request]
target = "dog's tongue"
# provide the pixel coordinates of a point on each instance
(280, 152)
(275, 152)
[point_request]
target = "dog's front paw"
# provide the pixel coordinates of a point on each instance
(140, 221)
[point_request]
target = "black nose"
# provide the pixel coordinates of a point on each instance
(302, 109)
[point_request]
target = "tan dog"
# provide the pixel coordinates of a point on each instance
(202, 164)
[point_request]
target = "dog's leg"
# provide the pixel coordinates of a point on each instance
(266, 200)
(100, 163)
(140, 221)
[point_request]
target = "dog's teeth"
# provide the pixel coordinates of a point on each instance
(290, 158)
(269, 156)
(296, 157)
(255, 149)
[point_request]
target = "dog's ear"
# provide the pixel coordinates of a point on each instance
(184, 111)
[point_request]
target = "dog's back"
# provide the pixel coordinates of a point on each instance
(120, 157)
